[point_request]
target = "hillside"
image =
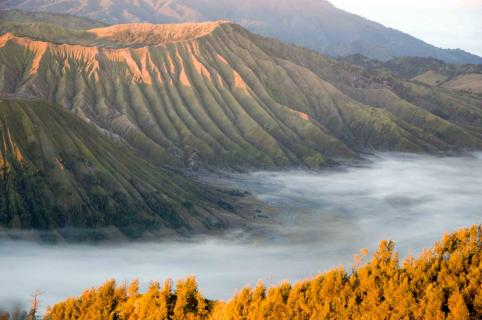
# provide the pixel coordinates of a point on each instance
(59, 172)
(465, 77)
(314, 24)
(64, 20)
(443, 283)
(214, 94)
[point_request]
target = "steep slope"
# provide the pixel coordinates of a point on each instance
(215, 94)
(466, 77)
(44, 25)
(57, 171)
(315, 24)
(410, 102)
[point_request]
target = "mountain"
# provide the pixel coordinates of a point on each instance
(465, 77)
(64, 20)
(57, 171)
(314, 24)
(214, 94)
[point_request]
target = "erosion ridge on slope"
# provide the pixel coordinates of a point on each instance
(57, 171)
(234, 99)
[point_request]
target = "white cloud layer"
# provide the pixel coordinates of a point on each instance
(325, 218)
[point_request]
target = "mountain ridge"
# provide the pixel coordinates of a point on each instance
(427, 70)
(57, 172)
(145, 34)
(314, 24)
(229, 98)
(62, 19)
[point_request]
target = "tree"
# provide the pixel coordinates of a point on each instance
(35, 302)
(442, 283)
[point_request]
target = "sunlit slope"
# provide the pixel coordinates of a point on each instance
(215, 94)
(431, 112)
(58, 171)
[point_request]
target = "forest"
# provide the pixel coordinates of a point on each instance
(444, 282)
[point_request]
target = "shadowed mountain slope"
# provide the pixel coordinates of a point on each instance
(315, 24)
(216, 94)
(57, 171)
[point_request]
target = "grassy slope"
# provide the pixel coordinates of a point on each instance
(63, 20)
(431, 111)
(231, 98)
(57, 171)
(465, 77)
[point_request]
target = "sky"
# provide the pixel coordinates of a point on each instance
(443, 23)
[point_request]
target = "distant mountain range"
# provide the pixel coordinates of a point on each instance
(99, 123)
(314, 24)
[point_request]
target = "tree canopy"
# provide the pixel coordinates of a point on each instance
(444, 282)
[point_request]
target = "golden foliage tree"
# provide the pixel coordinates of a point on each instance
(442, 283)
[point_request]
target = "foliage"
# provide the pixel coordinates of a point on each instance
(111, 302)
(442, 283)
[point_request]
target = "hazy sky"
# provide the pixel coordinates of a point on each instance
(444, 23)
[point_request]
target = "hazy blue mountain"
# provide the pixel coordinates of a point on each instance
(315, 24)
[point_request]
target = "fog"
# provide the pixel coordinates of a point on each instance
(323, 219)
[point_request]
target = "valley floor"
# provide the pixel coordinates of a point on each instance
(310, 222)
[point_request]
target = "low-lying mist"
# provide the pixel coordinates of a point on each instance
(325, 217)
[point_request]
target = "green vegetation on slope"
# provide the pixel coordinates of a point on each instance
(465, 77)
(57, 171)
(61, 28)
(215, 94)
(63, 20)
(443, 283)
(434, 115)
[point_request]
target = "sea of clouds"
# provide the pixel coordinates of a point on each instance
(324, 218)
